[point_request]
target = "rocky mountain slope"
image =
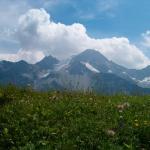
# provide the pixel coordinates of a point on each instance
(89, 70)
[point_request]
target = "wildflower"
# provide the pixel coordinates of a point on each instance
(123, 106)
(120, 117)
(126, 104)
(120, 107)
(136, 124)
(110, 133)
(54, 97)
(91, 99)
(145, 122)
(120, 111)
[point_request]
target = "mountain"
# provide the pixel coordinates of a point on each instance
(111, 84)
(87, 71)
(92, 71)
(93, 58)
(19, 73)
(141, 77)
(95, 61)
(47, 62)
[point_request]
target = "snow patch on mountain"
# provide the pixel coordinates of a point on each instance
(124, 72)
(133, 78)
(90, 67)
(27, 75)
(43, 74)
(145, 80)
(109, 71)
(64, 64)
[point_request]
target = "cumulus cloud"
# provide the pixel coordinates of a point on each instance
(121, 51)
(38, 34)
(36, 31)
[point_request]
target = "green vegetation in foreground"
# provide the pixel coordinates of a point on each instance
(66, 121)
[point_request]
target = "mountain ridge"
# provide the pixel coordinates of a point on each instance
(89, 70)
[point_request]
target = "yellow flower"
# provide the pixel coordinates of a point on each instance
(136, 124)
(145, 122)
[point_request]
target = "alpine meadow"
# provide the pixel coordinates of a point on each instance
(74, 75)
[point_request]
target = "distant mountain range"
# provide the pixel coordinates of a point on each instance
(87, 71)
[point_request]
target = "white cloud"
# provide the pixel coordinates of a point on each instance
(121, 51)
(29, 56)
(38, 33)
(107, 5)
(10, 11)
(146, 39)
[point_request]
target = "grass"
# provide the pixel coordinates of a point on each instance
(72, 120)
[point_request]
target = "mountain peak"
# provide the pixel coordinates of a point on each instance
(90, 55)
(21, 62)
(47, 62)
(91, 51)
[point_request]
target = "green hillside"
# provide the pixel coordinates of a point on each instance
(71, 120)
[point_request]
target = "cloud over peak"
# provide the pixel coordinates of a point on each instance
(38, 34)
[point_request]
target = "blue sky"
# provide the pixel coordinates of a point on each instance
(127, 18)
(123, 23)
(102, 18)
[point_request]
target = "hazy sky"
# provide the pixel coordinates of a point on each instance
(119, 29)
